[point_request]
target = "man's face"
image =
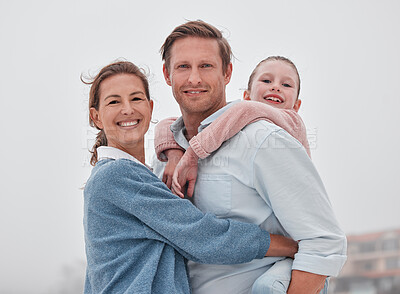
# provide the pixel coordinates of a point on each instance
(196, 76)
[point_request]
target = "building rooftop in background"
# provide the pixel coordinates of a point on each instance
(373, 264)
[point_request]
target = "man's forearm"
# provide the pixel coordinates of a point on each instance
(305, 283)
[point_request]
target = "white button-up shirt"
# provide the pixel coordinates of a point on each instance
(264, 176)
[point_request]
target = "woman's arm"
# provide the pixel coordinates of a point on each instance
(197, 236)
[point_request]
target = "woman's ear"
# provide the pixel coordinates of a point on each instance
(246, 95)
(94, 115)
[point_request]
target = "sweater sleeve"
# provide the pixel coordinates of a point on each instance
(164, 139)
(239, 116)
(199, 237)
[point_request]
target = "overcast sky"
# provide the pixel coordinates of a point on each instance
(347, 53)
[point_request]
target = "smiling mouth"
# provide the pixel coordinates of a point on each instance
(274, 99)
(128, 123)
(194, 91)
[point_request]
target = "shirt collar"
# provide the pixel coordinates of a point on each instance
(216, 114)
(107, 152)
(178, 127)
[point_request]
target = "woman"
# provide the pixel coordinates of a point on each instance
(137, 233)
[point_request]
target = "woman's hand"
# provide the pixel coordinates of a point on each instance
(173, 156)
(282, 246)
(185, 172)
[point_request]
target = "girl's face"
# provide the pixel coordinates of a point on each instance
(124, 111)
(275, 83)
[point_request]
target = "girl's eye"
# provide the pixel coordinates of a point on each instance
(266, 81)
(286, 85)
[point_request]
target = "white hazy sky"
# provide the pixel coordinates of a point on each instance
(347, 53)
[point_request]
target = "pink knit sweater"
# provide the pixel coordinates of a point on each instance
(229, 124)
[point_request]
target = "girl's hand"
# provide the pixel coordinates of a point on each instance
(185, 172)
(173, 156)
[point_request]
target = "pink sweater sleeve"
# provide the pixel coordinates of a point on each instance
(164, 139)
(242, 114)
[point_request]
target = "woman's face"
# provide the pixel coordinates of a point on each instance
(124, 111)
(275, 83)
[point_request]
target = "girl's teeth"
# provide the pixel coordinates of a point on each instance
(274, 99)
(129, 124)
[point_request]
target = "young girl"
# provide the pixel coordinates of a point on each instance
(272, 94)
(138, 235)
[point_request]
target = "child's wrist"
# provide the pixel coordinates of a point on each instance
(191, 153)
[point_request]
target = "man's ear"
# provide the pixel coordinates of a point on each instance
(228, 73)
(94, 115)
(297, 105)
(246, 95)
(166, 75)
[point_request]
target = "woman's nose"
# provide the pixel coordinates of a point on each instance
(127, 108)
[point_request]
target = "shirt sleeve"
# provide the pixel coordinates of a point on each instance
(197, 236)
(287, 180)
(240, 115)
(164, 139)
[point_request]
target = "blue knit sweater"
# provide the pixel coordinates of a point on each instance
(138, 234)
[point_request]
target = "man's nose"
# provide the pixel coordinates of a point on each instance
(194, 77)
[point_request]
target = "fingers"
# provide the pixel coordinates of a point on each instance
(169, 182)
(167, 179)
(190, 189)
(177, 190)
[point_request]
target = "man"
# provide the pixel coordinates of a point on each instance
(261, 175)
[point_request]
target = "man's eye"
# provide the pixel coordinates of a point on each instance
(286, 85)
(183, 66)
(266, 81)
(206, 65)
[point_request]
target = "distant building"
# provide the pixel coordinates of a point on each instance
(373, 265)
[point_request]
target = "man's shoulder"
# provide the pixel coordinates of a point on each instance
(261, 125)
(260, 129)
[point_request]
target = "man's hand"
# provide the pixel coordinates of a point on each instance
(173, 156)
(306, 283)
(185, 172)
(282, 246)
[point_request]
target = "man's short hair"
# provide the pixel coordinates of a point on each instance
(198, 29)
